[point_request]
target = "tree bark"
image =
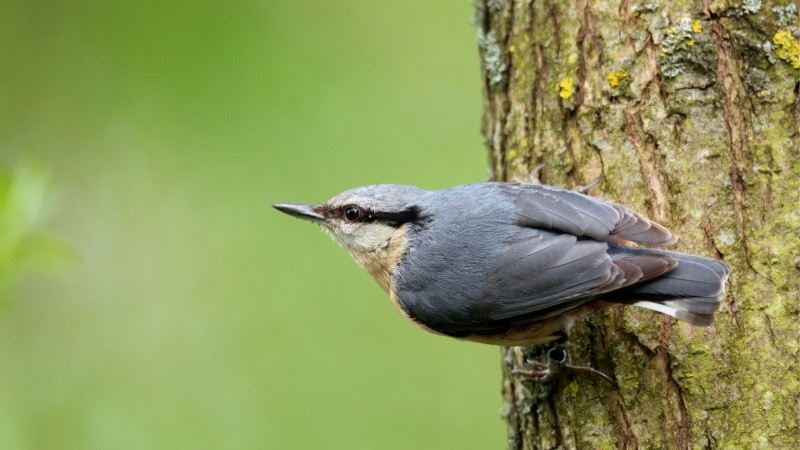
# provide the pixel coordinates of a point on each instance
(689, 111)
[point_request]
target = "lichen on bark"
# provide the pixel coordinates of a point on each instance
(702, 133)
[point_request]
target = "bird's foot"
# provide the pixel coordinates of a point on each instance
(556, 365)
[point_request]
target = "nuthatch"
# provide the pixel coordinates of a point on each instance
(513, 264)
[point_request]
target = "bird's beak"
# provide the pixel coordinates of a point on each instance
(300, 210)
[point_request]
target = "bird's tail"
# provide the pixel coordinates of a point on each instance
(691, 292)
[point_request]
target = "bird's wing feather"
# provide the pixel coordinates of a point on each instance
(545, 282)
(551, 273)
(551, 208)
(537, 275)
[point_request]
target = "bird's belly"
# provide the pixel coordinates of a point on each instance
(538, 332)
(534, 333)
(531, 333)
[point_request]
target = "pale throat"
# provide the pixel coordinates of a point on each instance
(382, 258)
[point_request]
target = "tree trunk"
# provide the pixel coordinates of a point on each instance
(689, 111)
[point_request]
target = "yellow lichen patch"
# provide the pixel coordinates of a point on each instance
(697, 26)
(573, 388)
(511, 154)
(616, 76)
(787, 48)
(689, 42)
(567, 88)
(512, 48)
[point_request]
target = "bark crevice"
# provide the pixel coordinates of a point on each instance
(737, 135)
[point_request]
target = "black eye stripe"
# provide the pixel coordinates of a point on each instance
(396, 218)
(354, 213)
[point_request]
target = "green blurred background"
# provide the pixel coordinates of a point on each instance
(194, 315)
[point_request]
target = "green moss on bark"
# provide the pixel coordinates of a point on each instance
(702, 132)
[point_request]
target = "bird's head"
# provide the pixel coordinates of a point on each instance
(367, 221)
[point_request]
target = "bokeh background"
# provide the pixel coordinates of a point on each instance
(151, 298)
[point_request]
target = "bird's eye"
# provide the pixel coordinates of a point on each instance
(353, 213)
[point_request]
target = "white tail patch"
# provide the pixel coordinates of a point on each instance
(663, 309)
(693, 318)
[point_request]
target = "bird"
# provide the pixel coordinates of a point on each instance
(513, 263)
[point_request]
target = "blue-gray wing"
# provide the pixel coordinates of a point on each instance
(551, 208)
(532, 275)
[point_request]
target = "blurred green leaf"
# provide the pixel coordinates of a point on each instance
(24, 243)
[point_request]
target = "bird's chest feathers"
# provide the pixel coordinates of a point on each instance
(381, 258)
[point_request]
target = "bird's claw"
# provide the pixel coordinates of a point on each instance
(532, 178)
(585, 188)
(544, 372)
(556, 364)
(535, 177)
(538, 371)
